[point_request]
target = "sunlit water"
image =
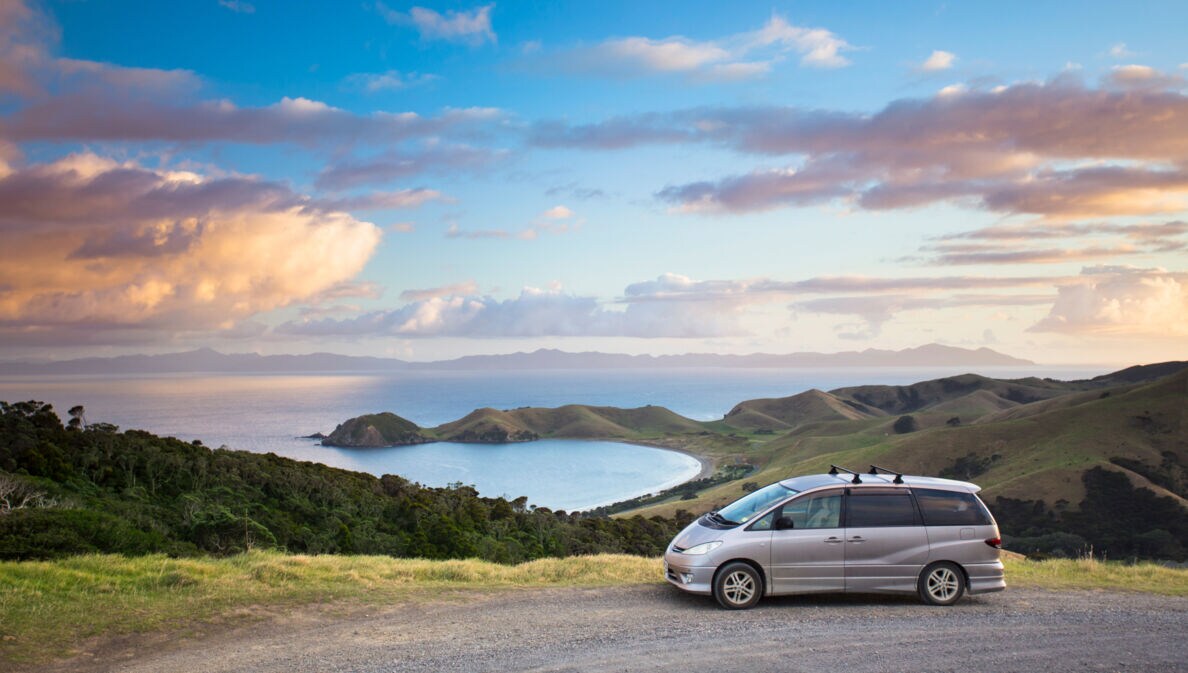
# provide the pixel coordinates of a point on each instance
(265, 413)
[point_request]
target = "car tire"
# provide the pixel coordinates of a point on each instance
(941, 584)
(738, 586)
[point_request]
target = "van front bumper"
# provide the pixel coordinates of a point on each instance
(687, 577)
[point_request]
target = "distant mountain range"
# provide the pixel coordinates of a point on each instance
(205, 360)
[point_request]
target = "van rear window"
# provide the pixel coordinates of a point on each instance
(951, 508)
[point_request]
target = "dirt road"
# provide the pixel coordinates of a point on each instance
(655, 628)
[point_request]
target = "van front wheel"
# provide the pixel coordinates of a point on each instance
(738, 586)
(942, 584)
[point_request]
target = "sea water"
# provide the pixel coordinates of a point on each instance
(270, 413)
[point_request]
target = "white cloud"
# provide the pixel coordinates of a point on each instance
(818, 47)
(471, 27)
(734, 57)
(938, 60)
(1121, 300)
(1120, 51)
(391, 80)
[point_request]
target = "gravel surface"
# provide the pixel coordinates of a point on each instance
(657, 628)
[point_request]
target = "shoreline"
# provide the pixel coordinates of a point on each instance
(709, 465)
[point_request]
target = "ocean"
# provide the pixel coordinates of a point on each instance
(270, 413)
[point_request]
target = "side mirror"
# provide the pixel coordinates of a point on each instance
(784, 523)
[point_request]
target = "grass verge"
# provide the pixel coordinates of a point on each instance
(49, 608)
(1093, 574)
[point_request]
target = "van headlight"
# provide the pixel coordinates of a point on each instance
(703, 548)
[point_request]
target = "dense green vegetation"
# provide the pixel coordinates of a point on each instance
(133, 492)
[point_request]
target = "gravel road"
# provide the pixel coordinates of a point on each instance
(656, 628)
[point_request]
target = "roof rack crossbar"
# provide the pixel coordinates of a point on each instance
(857, 478)
(875, 469)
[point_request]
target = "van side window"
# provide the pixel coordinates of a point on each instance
(869, 510)
(765, 522)
(816, 510)
(951, 508)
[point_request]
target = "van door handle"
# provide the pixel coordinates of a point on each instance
(857, 538)
(832, 540)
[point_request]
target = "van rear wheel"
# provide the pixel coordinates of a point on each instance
(942, 584)
(738, 586)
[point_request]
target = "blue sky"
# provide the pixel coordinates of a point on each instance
(440, 180)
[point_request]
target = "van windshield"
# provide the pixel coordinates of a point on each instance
(745, 508)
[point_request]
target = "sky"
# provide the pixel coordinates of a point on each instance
(432, 181)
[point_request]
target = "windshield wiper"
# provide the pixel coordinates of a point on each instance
(714, 516)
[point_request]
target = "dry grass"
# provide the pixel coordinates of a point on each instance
(1090, 573)
(69, 601)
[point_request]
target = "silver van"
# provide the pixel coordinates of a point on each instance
(880, 532)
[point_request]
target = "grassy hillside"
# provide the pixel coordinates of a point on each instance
(786, 412)
(383, 429)
(576, 421)
(1044, 454)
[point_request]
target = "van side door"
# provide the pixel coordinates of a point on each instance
(809, 557)
(886, 544)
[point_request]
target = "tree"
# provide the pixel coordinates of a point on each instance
(905, 424)
(78, 417)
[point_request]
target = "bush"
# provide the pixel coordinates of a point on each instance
(905, 424)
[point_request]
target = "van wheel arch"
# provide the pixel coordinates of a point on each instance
(720, 587)
(751, 562)
(932, 598)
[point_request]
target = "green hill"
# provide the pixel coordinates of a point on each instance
(926, 394)
(787, 412)
(376, 430)
(1059, 456)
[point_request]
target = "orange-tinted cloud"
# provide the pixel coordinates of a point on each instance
(92, 245)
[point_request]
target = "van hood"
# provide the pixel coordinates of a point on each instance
(695, 534)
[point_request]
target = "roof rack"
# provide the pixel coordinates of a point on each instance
(875, 469)
(857, 478)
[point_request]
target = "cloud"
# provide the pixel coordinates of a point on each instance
(877, 310)
(301, 121)
(1142, 77)
(557, 213)
(1057, 149)
(464, 288)
(1033, 242)
(391, 80)
(1120, 51)
(28, 69)
(404, 198)
(1121, 301)
(470, 27)
(526, 234)
(818, 47)
(118, 251)
(938, 60)
(534, 313)
(238, 6)
(735, 57)
(433, 157)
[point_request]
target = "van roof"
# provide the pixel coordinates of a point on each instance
(811, 481)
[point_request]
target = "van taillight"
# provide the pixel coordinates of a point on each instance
(995, 542)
